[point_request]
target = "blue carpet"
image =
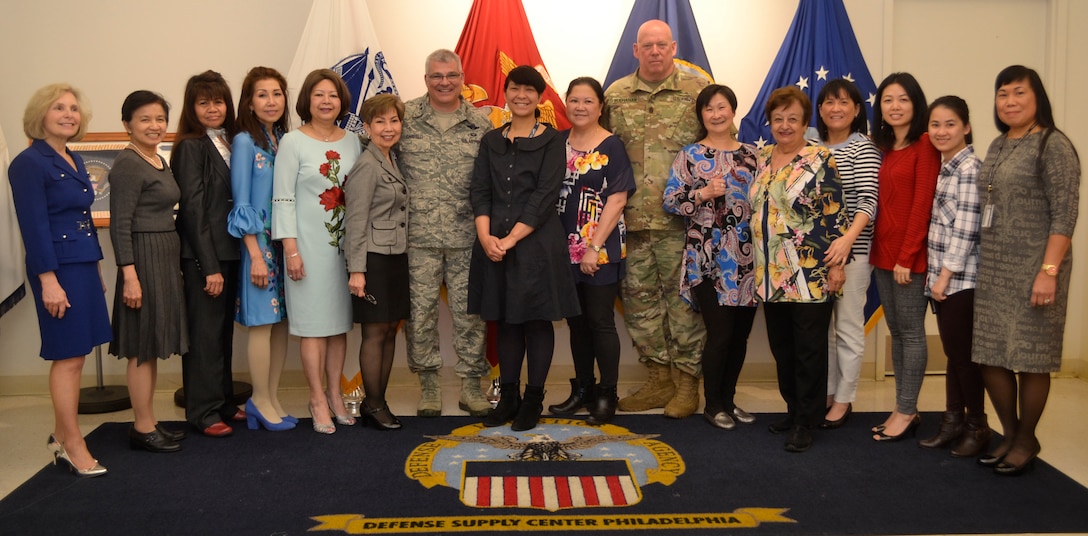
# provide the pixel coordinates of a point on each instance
(449, 475)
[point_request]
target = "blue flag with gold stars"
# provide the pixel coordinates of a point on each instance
(819, 46)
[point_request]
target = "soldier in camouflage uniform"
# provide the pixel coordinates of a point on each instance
(438, 148)
(652, 111)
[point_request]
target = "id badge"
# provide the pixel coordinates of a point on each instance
(988, 216)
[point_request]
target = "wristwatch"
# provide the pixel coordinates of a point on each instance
(599, 248)
(1050, 269)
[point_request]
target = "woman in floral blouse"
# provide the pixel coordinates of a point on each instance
(708, 185)
(798, 212)
(595, 186)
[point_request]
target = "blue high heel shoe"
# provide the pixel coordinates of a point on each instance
(290, 419)
(253, 416)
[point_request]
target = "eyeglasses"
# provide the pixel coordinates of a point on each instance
(370, 298)
(438, 77)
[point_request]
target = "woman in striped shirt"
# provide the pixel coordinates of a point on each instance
(842, 124)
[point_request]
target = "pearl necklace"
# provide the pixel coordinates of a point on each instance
(155, 162)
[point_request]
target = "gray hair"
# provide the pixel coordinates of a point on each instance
(442, 55)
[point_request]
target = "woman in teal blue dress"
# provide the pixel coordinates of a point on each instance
(262, 121)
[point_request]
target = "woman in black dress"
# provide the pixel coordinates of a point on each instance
(53, 195)
(520, 275)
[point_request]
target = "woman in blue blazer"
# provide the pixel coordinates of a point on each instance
(53, 194)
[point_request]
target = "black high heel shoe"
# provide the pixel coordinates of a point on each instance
(382, 418)
(1007, 469)
(910, 430)
(837, 423)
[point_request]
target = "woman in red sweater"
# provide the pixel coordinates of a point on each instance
(908, 178)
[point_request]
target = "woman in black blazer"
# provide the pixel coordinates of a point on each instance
(209, 254)
(53, 194)
(376, 238)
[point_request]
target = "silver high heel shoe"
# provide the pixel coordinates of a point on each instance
(342, 420)
(61, 454)
(53, 445)
(326, 429)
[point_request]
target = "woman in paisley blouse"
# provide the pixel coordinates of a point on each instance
(797, 212)
(708, 185)
(262, 121)
(595, 187)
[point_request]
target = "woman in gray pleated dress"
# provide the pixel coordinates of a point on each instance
(148, 307)
(1028, 188)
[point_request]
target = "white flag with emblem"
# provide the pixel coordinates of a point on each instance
(12, 267)
(340, 36)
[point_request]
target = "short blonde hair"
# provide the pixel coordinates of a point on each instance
(39, 104)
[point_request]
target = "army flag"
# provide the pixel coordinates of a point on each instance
(497, 38)
(819, 46)
(690, 54)
(12, 268)
(340, 36)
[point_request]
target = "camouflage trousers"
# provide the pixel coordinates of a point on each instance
(428, 268)
(663, 327)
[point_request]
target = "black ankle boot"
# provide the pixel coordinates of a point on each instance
(603, 407)
(507, 408)
(951, 429)
(531, 407)
(581, 396)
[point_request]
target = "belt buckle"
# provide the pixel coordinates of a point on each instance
(83, 225)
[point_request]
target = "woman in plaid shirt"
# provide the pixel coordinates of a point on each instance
(952, 261)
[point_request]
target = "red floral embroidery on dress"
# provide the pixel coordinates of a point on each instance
(333, 198)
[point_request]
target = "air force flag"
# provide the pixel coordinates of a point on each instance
(819, 46)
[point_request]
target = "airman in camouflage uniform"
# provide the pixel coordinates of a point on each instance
(438, 148)
(653, 112)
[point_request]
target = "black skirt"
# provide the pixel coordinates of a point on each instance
(387, 283)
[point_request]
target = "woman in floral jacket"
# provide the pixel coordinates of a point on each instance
(797, 213)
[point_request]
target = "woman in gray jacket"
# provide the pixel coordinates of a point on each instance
(376, 245)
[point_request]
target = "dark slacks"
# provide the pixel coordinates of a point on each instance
(797, 333)
(727, 329)
(206, 368)
(963, 379)
(593, 335)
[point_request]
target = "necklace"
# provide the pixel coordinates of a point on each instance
(155, 162)
(327, 136)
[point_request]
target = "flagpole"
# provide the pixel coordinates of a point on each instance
(102, 398)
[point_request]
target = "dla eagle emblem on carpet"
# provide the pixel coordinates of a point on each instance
(560, 464)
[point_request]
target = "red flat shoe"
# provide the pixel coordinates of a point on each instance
(219, 429)
(239, 416)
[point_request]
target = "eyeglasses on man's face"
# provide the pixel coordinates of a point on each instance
(438, 77)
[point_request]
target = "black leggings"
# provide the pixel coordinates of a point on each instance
(533, 341)
(593, 334)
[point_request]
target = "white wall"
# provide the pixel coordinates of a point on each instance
(110, 49)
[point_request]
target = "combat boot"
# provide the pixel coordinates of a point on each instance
(655, 393)
(686, 400)
(472, 398)
(430, 401)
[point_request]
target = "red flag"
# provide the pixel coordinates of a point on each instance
(497, 38)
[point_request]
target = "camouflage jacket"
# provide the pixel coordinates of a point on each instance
(437, 165)
(654, 125)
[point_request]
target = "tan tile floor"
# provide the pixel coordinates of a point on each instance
(26, 421)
